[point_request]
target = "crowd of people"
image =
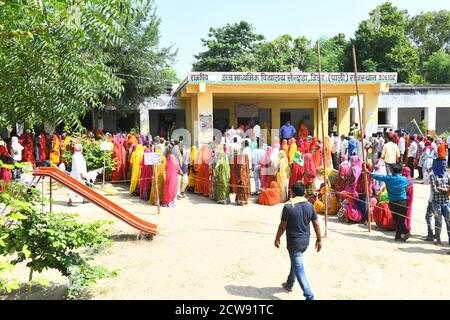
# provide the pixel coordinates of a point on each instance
(378, 187)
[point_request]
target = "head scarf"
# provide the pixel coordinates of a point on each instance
(356, 166)
(310, 167)
(298, 159)
(439, 167)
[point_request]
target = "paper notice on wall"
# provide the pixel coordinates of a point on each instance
(152, 158)
(206, 122)
(246, 111)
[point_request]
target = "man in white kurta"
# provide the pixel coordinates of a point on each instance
(79, 170)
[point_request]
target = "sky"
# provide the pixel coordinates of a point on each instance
(185, 22)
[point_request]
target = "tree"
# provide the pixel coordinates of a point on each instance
(430, 32)
(333, 54)
(437, 68)
(283, 54)
(45, 240)
(230, 48)
(381, 42)
(52, 63)
(144, 67)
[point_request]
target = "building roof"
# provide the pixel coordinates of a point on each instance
(285, 78)
(418, 87)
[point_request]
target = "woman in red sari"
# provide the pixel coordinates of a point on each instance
(26, 140)
(145, 180)
(5, 173)
(205, 170)
(302, 131)
(42, 147)
(297, 169)
(119, 155)
(309, 177)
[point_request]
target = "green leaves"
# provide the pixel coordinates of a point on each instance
(51, 71)
(45, 240)
(437, 67)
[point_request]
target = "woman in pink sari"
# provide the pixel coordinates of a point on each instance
(267, 171)
(171, 183)
(410, 193)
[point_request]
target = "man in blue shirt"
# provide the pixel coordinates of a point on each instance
(287, 131)
(396, 186)
(295, 220)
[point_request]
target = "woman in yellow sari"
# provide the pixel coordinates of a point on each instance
(135, 162)
(191, 177)
(283, 176)
(160, 173)
(55, 152)
(292, 150)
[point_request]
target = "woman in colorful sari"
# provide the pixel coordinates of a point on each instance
(327, 150)
(135, 162)
(267, 173)
(243, 190)
(145, 180)
(410, 194)
(160, 174)
(55, 151)
(282, 176)
(191, 177)
(222, 174)
(302, 146)
(171, 183)
(292, 149)
(5, 173)
(26, 140)
(346, 179)
(234, 173)
(297, 169)
(309, 177)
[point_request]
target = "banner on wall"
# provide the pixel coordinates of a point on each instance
(246, 111)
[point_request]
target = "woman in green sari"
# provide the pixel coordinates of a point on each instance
(222, 175)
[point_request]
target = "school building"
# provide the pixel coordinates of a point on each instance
(207, 100)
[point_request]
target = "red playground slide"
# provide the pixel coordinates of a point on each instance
(96, 198)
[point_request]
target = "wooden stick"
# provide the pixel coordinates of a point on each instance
(155, 176)
(325, 177)
(362, 133)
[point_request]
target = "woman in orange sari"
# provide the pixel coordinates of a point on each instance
(243, 190)
(302, 131)
(284, 146)
(316, 152)
(199, 178)
(234, 172)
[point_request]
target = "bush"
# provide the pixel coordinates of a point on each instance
(45, 240)
(94, 156)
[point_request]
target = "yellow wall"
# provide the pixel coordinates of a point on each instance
(343, 114)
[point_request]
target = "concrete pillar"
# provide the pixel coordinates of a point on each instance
(343, 114)
(205, 117)
(430, 119)
(188, 117)
(393, 117)
(144, 119)
(325, 119)
(276, 118)
(370, 113)
(194, 120)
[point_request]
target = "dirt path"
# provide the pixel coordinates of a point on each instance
(209, 251)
